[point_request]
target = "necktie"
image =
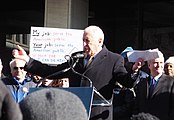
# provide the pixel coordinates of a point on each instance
(90, 60)
(152, 86)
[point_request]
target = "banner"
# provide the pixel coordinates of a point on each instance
(50, 45)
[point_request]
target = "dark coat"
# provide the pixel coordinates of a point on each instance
(161, 103)
(9, 109)
(123, 103)
(106, 68)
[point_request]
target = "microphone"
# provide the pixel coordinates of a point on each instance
(68, 58)
(72, 64)
(80, 54)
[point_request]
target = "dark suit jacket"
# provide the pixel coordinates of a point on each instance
(106, 68)
(161, 103)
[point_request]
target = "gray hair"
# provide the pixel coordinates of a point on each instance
(160, 55)
(96, 31)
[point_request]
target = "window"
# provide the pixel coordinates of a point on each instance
(18, 38)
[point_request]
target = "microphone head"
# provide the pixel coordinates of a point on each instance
(67, 57)
(79, 54)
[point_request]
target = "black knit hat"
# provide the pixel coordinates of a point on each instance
(53, 104)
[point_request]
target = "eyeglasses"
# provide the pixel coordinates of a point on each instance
(16, 68)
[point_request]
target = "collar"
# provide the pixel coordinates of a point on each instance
(156, 77)
(21, 83)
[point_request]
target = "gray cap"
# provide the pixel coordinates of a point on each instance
(53, 104)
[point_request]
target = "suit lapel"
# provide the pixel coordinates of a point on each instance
(148, 86)
(159, 85)
(98, 58)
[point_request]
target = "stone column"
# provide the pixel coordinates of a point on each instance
(66, 13)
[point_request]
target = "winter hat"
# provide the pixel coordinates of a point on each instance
(124, 52)
(170, 60)
(53, 104)
(144, 116)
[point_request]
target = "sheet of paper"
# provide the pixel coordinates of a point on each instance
(145, 54)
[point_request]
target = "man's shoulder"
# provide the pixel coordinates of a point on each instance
(5, 79)
(113, 55)
(30, 83)
(167, 77)
(8, 80)
(3, 76)
(110, 55)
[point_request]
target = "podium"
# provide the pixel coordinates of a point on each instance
(99, 100)
(88, 95)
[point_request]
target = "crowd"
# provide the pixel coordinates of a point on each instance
(135, 89)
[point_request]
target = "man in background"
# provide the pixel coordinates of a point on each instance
(155, 94)
(18, 82)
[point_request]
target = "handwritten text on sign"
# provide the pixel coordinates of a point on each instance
(50, 45)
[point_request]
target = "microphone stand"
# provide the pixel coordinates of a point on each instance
(72, 68)
(56, 73)
(104, 102)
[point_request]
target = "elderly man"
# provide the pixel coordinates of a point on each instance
(17, 83)
(102, 67)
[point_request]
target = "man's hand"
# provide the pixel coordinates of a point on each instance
(20, 54)
(138, 65)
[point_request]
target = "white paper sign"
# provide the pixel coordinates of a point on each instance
(50, 45)
(145, 54)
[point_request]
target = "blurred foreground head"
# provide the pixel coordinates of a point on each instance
(144, 116)
(53, 104)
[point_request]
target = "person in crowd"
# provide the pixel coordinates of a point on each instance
(143, 71)
(9, 109)
(18, 82)
(53, 104)
(144, 116)
(101, 68)
(42, 82)
(1, 67)
(64, 82)
(169, 66)
(37, 79)
(123, 102)
(155, 94)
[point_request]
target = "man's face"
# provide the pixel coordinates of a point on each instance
(90, 43)
(169, 69)
(156, 66)
(64, 82)
(17, 70)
